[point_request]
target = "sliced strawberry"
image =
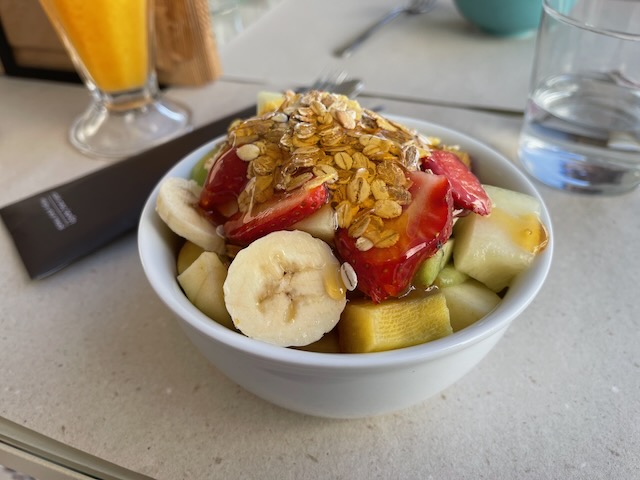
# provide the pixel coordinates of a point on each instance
(279, 213)
(225, 181)
(466, 189)
(424, 226)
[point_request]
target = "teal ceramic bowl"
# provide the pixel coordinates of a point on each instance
(502, 17)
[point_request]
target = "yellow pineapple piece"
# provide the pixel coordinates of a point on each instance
(269, 101)
(395, 323)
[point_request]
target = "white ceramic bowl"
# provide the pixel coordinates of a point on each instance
(344, 385)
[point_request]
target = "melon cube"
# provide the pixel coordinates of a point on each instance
(493, 249)
(468, 302)
(449, 277)
(431, 267)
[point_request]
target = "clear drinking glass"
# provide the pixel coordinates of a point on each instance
(582, 125)
(111, 45)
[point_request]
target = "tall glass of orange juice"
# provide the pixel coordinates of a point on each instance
(111, 45)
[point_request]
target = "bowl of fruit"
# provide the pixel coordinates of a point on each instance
(341, 263)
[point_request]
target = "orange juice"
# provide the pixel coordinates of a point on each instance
(110, 38)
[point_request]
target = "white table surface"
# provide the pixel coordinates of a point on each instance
(436, 57)
(91, 359)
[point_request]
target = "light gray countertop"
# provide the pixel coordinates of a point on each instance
(92, 359)
(437, 57)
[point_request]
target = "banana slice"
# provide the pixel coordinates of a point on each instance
(285, 288)
(176, 205)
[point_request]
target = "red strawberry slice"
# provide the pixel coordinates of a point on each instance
(226, 179)
(466, 189)
(424, 226)
(279, 213)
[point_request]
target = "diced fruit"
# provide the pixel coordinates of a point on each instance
(287, 286)
(423, 226)
(395, 323)
(202, 283)
(279, 213)
(495, 248)
(466, 189)
(187, 255)
(200, 170)
(327, 344)
(269, 101)
(468, 302)
(514, 203)
(463, 156)
(227, 178)
(449, 276)
(320, 224)
(285, 289)
(177, 206)
(430, 268)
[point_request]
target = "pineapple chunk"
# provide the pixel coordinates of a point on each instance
(395, 323)
(495, 248)
(202, 283)
(269, 101)
(468, 302)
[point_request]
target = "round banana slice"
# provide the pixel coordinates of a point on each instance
(176, 205)
(285, 288)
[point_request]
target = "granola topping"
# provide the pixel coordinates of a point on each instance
(319, 137)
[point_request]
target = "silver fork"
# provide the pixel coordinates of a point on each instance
(414, 7)
(338, 81)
